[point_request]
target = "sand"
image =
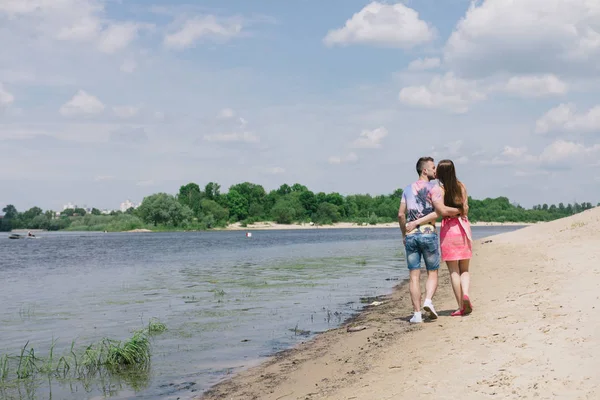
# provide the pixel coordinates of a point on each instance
(534, 332)
(270, 225)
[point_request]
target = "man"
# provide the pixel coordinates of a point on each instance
(419, 199)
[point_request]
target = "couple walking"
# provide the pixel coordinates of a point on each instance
(424, 201)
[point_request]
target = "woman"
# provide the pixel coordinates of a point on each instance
(455, 235)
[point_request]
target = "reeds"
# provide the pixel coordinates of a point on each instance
(128, 360)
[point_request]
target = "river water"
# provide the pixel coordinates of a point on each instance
(227, 300)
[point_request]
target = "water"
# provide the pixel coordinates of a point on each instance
(227, 300)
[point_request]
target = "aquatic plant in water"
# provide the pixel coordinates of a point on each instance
(127, 360)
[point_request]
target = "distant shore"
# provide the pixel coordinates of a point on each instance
(268, 225)
(271, 225)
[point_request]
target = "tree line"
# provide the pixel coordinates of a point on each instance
(194, 207)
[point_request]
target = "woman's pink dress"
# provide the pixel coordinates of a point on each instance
(455, 239)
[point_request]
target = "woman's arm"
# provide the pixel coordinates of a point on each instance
(431, 217)
(443, 210)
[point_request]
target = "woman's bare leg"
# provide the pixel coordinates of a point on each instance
(465, 278)
(455, 279)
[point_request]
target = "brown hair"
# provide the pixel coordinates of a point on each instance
(446, 174)
(421, 164)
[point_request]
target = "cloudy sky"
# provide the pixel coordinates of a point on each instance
(107, 100)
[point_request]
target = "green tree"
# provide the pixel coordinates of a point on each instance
(327, 213)
(190, 195)
(95, 211)
(238, 205)
(212, 191)
(308, 201)
(296, 187)
(211, 207)
(32, 213)
(10, 212)
(284, 189)
(284, 211)
(162, 208)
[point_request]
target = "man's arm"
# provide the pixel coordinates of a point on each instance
(465, 201)
(402, 218)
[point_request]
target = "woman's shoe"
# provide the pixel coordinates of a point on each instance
(457, 313)
(467, 306)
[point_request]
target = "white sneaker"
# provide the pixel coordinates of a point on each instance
(428, 306)
(417, 318)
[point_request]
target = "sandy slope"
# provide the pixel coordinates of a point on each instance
(534, 333)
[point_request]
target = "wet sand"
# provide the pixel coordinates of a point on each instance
(533, 332)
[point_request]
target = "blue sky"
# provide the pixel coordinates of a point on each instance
(105, 100)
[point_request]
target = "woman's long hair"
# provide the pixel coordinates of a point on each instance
(446, 174)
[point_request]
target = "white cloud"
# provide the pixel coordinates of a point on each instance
(274, 170)
(445, 92)
(245, 137)
(422, 64)
(561, 150)
(462, 160)
(82, 103)
(6, 98)
(349, 158)
(536, 85)
(202, 27)
(390, 25)
(126, 111)
(85, 29)
(525, 37)
(514, 151)
(78, 21)
(226, 113)
(370, 139)
(117, 37)
(558, 153)
(565, 118)
(129, 65)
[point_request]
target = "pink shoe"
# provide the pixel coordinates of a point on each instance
(467, 306)
(457, 313)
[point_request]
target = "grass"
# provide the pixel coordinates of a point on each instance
(127, 360)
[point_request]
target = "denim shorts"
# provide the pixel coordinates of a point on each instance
(426, 245)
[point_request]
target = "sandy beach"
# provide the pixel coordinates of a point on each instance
(533, 332)
(270, 225)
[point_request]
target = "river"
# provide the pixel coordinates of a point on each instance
(227, 300)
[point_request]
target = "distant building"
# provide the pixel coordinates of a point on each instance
(127, 204)
(69, 205)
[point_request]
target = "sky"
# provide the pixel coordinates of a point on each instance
(107, 100)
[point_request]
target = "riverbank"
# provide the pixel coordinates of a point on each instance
(533, 332)
(340, 225)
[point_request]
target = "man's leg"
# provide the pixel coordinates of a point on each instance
(415, 289)
(431, 255)
(431, 285)
(413, 261)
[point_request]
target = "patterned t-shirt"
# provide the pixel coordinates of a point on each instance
(419, 198)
